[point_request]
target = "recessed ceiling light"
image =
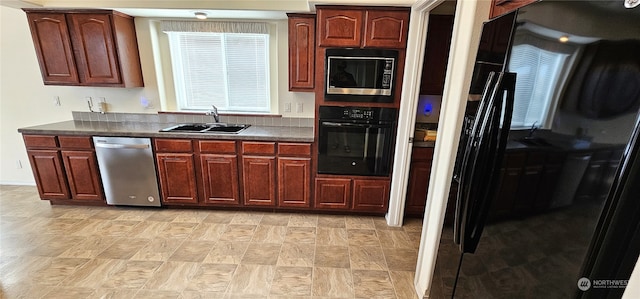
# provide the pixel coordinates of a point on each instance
(200, 15)
(631, 3)
(563, 39)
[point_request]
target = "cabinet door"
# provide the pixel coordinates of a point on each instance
(386, 29)
(95, 52)
(340, 28)
(294, 182)
(529, 184)
(47, 170)
(510, 174)
(501, 7)
(333, 193)
(302, 34)
(436, 54)
(549, 180)
(371, 195)
(259, 181)
(419, 175)
(177, 178)
(53, 48)
(82, 174)
(220, 179)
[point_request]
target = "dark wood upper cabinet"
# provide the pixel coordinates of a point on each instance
(355, 27)
(302, 45)
(86, 47)
(501, 7)
(94, 48)
(53, 47)
(386, 29)
(436, 56)
(340, 27)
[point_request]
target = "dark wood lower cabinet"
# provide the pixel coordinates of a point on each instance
(358, 194)
(371, 195)
(48, 173)
(65, 168)
(333, 193)
(512, 168)
(259, 181)
(419, 174)
(220, 179)
(294, 182)
(529, 184)
(177, 178)
(82, 174)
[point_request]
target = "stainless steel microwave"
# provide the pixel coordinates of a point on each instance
(360, 75)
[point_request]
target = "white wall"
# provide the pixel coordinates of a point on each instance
(26, 101)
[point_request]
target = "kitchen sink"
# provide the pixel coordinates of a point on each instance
(207, 128)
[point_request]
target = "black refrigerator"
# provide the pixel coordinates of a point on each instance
(548, 172)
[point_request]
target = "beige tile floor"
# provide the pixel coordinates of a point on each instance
(114, 252)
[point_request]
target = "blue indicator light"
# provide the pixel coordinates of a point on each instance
(428, 108)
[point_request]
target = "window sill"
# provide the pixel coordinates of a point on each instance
(223, 113)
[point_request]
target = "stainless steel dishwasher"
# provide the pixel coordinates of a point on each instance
(128, 171)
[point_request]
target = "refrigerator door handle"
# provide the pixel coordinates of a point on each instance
(469, 149)
(486, 161)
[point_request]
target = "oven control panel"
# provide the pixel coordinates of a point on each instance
(356, 113)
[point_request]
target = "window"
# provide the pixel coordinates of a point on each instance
(538, 72)
(226, 69)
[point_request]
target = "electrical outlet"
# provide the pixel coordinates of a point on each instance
(287, 107)
(299, 108)
(56, 101)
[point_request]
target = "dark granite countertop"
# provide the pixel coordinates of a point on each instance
(424, 144)
(138, 129)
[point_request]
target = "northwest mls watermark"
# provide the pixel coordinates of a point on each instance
(585, 284)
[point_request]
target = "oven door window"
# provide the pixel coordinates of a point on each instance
(358, 149)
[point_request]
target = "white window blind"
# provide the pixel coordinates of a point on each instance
(538, 72)
(226, 69)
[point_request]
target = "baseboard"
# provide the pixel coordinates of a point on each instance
(17, 183)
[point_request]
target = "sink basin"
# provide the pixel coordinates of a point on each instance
(188, 128)
(207, 128)
(535, 141)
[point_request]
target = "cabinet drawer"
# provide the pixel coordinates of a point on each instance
(260, 148)
(40, 141)
(173, 145)
(77, 142)
(294, 149)
(214, 146)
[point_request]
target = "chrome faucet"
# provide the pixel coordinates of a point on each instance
(214, 112)
(532, 129)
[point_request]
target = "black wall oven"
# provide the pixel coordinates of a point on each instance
(355, 140)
